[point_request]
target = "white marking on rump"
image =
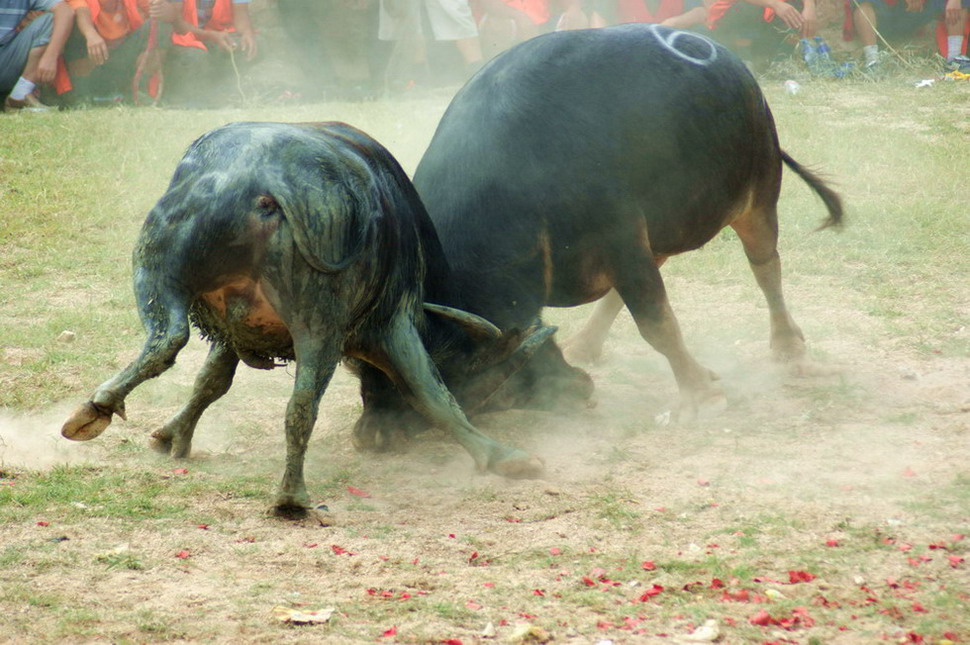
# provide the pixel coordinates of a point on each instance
(669, 40)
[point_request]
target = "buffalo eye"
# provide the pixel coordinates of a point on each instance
(266, 203)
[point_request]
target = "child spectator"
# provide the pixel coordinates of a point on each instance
(897, 18)
(102, 53)
(32, 37)
(207, 35)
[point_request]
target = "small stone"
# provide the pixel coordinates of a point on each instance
(67, 337)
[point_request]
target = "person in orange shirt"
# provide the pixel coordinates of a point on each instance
(102, 54)
(757, 30)
(202, 66)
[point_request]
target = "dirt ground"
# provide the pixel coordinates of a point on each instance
(871, 447)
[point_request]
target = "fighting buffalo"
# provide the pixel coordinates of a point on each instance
(574, 164)
(305, 243)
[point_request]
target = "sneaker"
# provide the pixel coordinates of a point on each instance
(29, 103)
(958, 64)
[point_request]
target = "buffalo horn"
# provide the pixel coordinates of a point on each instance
(476, 326)
(493, 379)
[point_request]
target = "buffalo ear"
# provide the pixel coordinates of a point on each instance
(476, 326)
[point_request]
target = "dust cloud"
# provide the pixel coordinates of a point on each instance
(34, 442)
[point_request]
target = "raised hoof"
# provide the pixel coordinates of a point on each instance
(372, 435)
(518, 464)
(85, 423)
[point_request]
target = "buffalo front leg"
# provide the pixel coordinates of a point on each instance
(587, 345)
(316, 361)
(646, 297)
(417, 377)
(758, 231)
(212, 382)
(166, 322)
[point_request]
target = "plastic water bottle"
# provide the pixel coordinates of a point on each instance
(809, 52)
(823, 53)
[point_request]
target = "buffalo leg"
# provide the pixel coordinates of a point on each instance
(587, 345)
(166, 322)
(316, 360)
(213, 381)
(758, 231)
(419, 380)
(387, 421)
(645, 296)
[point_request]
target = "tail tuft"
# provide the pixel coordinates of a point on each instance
(829, 197)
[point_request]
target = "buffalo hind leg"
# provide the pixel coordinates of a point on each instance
(644, 294)
(212, 382)
(166, 323)
(758, 231)
(316, 360)
(419, 380)
(587, 345)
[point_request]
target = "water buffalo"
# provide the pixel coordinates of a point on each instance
(577, 162)
(296, 242)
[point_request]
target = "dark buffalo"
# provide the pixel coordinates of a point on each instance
(304, 243)
(577, 162)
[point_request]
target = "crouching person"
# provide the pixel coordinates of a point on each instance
(32, 37)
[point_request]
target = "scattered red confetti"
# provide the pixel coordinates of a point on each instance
(648, 565)
(717, 583)
(490, 585)
(913, 637)
(956, 537)
(538, 592)
(181, 471)
(651, 592)
(918, 607)
(660, 509)
(762, 618)
(832, 542)
(451, 535)
(451, 641)
(473, 556)
(358, 492)
(934, 547)
(390, 632)
(513, 520)
(310, 545)
(43, 523)
(589, 582)
(474, 606)
(703, 482)
(182, 555)
(905, 547)
(794, 577)
(955, 560)
(204, 527)
(339, 550)
(909, 472)
(555, 551)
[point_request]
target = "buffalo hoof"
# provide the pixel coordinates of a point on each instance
(289, 511)
(377, 433)
(517, 464)
(160, 443)
(86, 422)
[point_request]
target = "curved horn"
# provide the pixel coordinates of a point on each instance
(493, 379)
(476, 326)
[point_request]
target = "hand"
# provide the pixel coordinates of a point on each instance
(247, 42)
(222, 39)
(789, 15)
(97, 49)
(46, 68)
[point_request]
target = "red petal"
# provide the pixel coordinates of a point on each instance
(831, 542)
(762, 618)
(648, 565)
(474, 606)
(204, 527)
(538, 592)
(909, 472)
(181, 471)
(358, 492)
(555, 551)
(955, 560)
(795, 577)
(182, 554)
(390, 632)
(43, 523)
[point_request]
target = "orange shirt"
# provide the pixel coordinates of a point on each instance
(113, 18)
